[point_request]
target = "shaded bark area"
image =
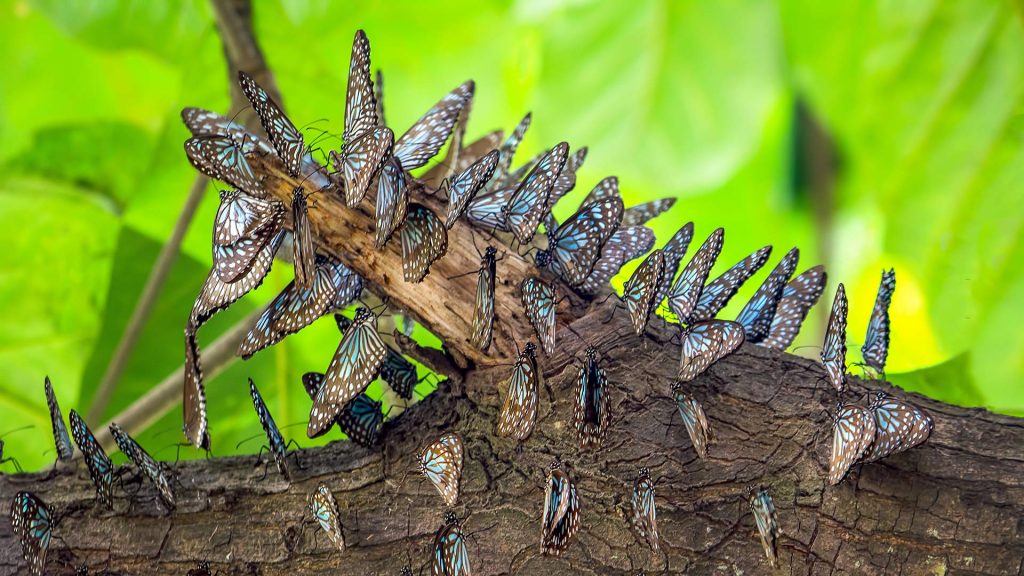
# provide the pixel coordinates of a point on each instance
(953, 505)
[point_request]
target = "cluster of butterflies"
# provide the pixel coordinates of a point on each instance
(885, 425)
(581, 254)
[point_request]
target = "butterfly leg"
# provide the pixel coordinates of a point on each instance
(14, 461)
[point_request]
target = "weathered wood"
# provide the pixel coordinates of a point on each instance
(953, 505)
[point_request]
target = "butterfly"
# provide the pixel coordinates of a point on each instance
(833, 353)
(60, 432)
(645, 520)
(101, 470)
(717, 293)
(798, 296)
(589, 415)
(640, 290)
(483, 311)
(756, 317)
(202, 123)
(705, 343)
(367, 141)
(150, 467)
(424, 240)
(529, 203)
(876, 342)
(196, 425)
(464, 187)
(487, 210)
(424, 139)
(508, 151)
(285, 137)
(696, 422)
(625, 244)
(763, 508)
(202, 569)
(334, 286)
(303, 248)
(608, 187)
(539, 306)
(899, 426)
(324, 509)
(853, 430)
(233, 260)
(223, 158)
(561, 516)
(566, 180)
(642, 213)
(519, 412)
(278, 449)
(575, 246)
(33, 523)
(441, 463)
(451, 555)
(378, 93)
(217, 295)
(354, 365)
(392, 201)
(400, 374)
(360, 420)
(684, 293)
(674, 251)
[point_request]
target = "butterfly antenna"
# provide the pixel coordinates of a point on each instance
(12, 431)
(250, 439)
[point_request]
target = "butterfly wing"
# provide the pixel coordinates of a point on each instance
(508, 150)
(392, 201)
(241, 215)
(589, 411)
(467, 184)
(529, 204)
(441, 462)
(561, 513)
(202, 122)
(61, 440)
(196, 425)
(217, 295)
(624, 245)
(519, 411)
(361, 420)
(696, 422)
(674, 251)
(361, 160)
(285, 137)
(483, 312)
(303, 248)
(354, 365)
(399, 373)
(276, 442)
(32, 522)
(539, 306)
(101, 470)
(566, 180)
(852, 432)
(360, 101)
(424, 240)
(899, 426)
(798, 297)
(324, 508)
(644, 513)
(576, 246)
(642, 213)
(717, 293)
(641, 289)
(756, 317)
(424, 139)
(684, 293)
(486, 210)
(705, 343)
(451, 555)
(223, 158)
(833, 353)
(134, 452)
(763, 508)
(876, 342)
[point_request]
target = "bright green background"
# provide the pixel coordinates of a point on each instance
(690, 99)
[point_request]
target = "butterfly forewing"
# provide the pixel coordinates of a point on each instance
(641, 289)
(283, 134)
(483, 311)
(561, 513)
(763, 508)
(529, 204)
(361, 420)
(486, 210)
(684, 293)
(696, 422)
(566, 180)
(625, 245)
(519, 412)
(539, 306)
(353, 367)
(798, 297)
(853, 429)
(606, 188)
(756, 317)
(196, 426)
(642, 213)
(899, 426)
(303, 248)
(441, 462)
(324, 509)
(150, 467)
(61, 440)
(717, 293)
(645, 520)
(424, 240)
(400, 374)
(217, 295)
(465, 186)
(392, 201)
(241, 215)
(101, 470)
(833, 352)
(674, 251)
(508, 150)
(876, 342)
(575, 246)
(32, 522)
(360, 100)
(424, 139)
(451, 555)
(589, 417)
(705, 343)
(277, 446)
(223, 158)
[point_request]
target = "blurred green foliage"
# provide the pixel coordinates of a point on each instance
(689, 99)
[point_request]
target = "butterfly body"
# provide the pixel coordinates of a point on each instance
(876, 342)
(590, 418)
(32, 522)
(61, 440)
(441, 462)
(150, 467)
(539, 305)
(763, 509)
(451, 555)
(483, 311)
(561, 518)
(645, 520)
(853, 430)
(833, 352)
(519, 411)
(324, 509)
(101, 470)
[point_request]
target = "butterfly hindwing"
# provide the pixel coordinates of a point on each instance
(424, 240)
(705, 343)
(695, 420)
(876, 342)
(590, 417)
(223, 158)
(899, 426)
(575, 246)
(392, 201)
(324, 509)
(756, 317)
(101, 470)
(853, 430)
(833, 352)
(645, 520)
(539, 305)
(529, 203)
(483, 311)
(32, 522)
(561, 517)
(441, 462)
(424, 139)
(451, 554)
(61, 440)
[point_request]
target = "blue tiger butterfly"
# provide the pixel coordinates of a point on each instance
(424, 240)
(465, 186)
(561, 517)
(217, 295)
(392, 201)
(763, 509)
(590, 412)
(451, 555)
(799, 295)
(853, 430)
(33, 522)
(324, 509)
(150, 467)
(223, 158)
(483, 311)
(539, 305)
(695, 420)
(61, 440)
(833, 352)
(529, 203)
(674, 251)
(101, 470)
(705, 343)
(236, 251)
(360, 420)
(756, 317)
(686, 290)
(899, 426)
(640, 291)
(285, 137)
(196, 425)
(876, 342)
(645, 520)
(277, 446)
(441, 462)
(400, 374)
(519, 411)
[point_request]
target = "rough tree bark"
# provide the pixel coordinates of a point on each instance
(953, 505)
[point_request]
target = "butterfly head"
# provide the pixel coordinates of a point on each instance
(542, 258)
(490, 253)
(226, 195)
(530, 349)
(362, 315)
(556, 464)
(450, 517)
(677, 386)
(645, 473)
(877, 399)
(591, 354)
(406, 571)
